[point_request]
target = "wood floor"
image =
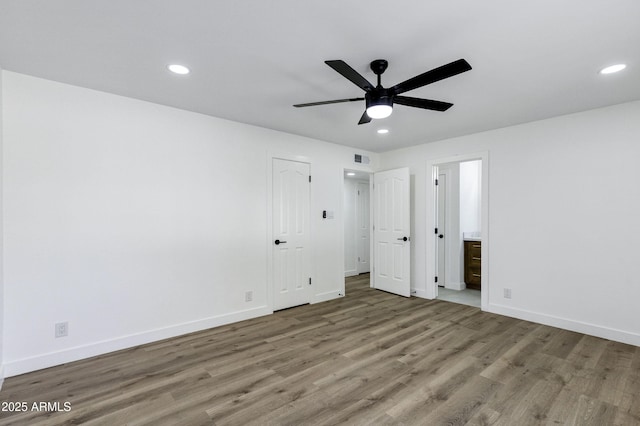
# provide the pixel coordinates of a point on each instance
(370, 358)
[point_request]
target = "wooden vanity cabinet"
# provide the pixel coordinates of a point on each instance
(472, 261)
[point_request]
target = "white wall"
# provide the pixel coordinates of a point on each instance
(470, 174)
(563, 207)
(134, 221)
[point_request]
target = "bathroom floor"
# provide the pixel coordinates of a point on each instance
(465, 297)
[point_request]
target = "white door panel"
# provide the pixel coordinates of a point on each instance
(291, 257)
(392, 232)
(441, 226)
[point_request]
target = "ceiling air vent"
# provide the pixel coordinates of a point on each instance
(363, 159)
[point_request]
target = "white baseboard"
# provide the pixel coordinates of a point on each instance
(350, 273)
(26, 365)
(567, 324)
(1, 376)
(419, 293)
(329, 295)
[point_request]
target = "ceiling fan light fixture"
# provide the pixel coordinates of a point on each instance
(379, 104)
(379, 111)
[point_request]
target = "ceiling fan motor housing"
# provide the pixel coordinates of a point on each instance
(379, 96)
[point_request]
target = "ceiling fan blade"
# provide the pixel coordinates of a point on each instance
(365, 118)
(422, 103)
(337, 101)
(436, 74)
(350, 74)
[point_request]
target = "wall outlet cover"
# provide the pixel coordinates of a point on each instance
(62, 329)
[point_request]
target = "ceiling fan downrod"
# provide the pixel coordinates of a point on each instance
(379, 66)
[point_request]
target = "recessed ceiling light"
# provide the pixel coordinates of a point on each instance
(178, 69)
(351, 174)
(383, 131)
(613, 68)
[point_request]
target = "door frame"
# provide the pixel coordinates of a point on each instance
(431, 215)
(368, 186)
(269, 236)
(344, 170)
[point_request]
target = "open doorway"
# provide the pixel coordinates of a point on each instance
(458, 238)
(384, 254)
(357, 224)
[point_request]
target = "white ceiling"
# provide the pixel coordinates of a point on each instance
(251, 60)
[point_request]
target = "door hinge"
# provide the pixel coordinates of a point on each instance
(436, 231)
(309, 280)
(374, 227)
(309, 178)
(436, 279)
(436, 181)
(358, 192)
(358, 258)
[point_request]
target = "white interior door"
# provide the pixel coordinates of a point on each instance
(363, 227)
(392, 232)
(291, 257)
(441, 226)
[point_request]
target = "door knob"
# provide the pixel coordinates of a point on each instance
(278, 242)
(440, 236)
(403, 239)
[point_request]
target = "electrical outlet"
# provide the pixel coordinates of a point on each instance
(507, 293)
(62, 329)
(248, 296)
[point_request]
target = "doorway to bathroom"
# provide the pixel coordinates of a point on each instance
(459, 231)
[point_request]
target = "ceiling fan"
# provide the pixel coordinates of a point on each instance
(379, 100)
